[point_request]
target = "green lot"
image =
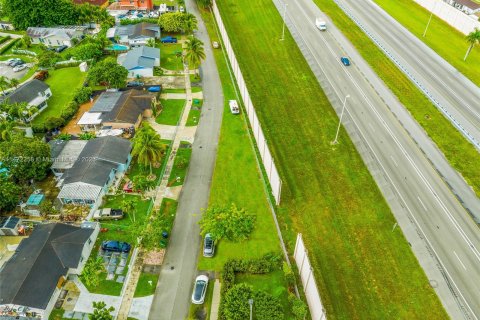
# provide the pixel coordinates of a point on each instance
(236, 179)
(168, 58)
(363, 269)
(194, 114)
(414, 17)
(172, 110)
(63, 83)
(180, 165)
(144, 288)
(461, 154)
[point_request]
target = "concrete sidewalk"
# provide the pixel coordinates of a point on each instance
(215, 300)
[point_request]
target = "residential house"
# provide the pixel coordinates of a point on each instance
(101, 162)
(117, 110)
(98, 3)
(56, 36)
(65, 153)
(32, 279)
(34, 92)
(135, 4)
(6, 25)
(140, 61)
(9, 226)
(467, 6)
(134, 34)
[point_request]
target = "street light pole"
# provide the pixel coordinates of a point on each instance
(341, 116)
(429, 19)
(250, 302)
(284, 17)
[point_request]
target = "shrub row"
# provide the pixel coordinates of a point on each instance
(66, 64)
(82, 95)
(124, 22)
(8, 46)
(3, 39)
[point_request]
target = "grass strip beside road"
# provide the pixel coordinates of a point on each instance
(414, 17)
(363, 269)
(460, 153)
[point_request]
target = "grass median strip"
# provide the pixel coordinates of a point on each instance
(362, 268)
(461, 154)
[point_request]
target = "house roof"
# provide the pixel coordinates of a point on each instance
(35, 199)
(30, 276)
(137, 30)
(129, 107)
(9, 222)
(97, 159)
(90, 118)
(106, 102)
(469, 4)
(140, 57)
(69, 153)
(80, 191)
(26, 92)
(66, 32)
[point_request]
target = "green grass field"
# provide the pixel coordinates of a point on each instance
(461, 154)
(363, 269)
(414, 17)
(194, 114)
(237, 179)
(172, 110)
(63, 83)
(144, 288)
(180, 166)
(168, 58)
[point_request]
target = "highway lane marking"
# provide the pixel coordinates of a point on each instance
(394, 162)
(381, 164)
(421, 202)
(456, 255)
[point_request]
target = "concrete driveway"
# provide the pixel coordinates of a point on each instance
(8, 72)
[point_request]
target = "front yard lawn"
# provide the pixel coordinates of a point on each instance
(144, 288)
(63, 83)
(172, 110)
(168, 58)
(194, 114)
(180, 165)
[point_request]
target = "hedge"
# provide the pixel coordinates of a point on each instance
(9, 45)
(3, 39)
(124, 22)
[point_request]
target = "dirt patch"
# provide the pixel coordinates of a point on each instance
(72, 127)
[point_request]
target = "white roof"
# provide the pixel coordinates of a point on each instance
(109, 132)
(80, 190)
(111, 33)
(90, 118)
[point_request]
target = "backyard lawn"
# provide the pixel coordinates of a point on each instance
(63, 83)
(172, 110)
(363, 269)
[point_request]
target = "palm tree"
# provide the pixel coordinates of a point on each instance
(473, 38)
(189, 23)
(147, 146)
(4, 83)
(6, 130)
(151, 42)
(195, 53)
(14, 82)
(128, 205)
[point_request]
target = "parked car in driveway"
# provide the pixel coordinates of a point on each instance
(108, 214)
(19, 68)
(116, 246)
(199, 289)
(135, 84)
(61, 48)
(155, 89)
(208, 246)
(345, 61)
(16, 62)
(168, 39)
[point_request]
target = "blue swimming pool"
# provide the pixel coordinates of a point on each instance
(118, 47)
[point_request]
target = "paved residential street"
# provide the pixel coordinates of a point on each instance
(172, 296)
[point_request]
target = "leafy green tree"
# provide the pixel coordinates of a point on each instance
(6, 130)
(108, 72)
(143, 184)
(151, 43)
(235, 302)
(88, 13)
(87, 51)
(14, 82)
(194, 52)
(148, 146)
(47, 208)
(231, 223)
(9, 193)
(47, 59)
(266, 306)
(26, 158)
(54, 122)
(26, 41)
(91, 272)
(129, 206)
(299, 308)
(473, 38)
(190, 23)
(101, 312)
(4, 83)
(171, 22)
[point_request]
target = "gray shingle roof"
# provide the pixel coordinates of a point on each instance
(67, 32)
(29, 278)
(137, 30)
(106, 102)
(27, 92)
(141, 57)
(129, 107)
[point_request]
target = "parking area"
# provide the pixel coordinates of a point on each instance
(8, 72)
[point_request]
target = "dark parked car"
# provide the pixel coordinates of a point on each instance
(61, 48)
(345, 61)
(168, 39)
(199, 289)
(135, 84)
(208, 246)
(15, 63)
(116, 246)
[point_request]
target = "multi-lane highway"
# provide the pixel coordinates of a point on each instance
(443, 236)
(442, 83)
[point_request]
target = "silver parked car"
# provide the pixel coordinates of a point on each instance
(208, 246)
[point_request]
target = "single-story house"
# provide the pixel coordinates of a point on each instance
(34, 92)
(467, 6)
(140, 61)
(9, 226)
(134, 34)
(65, 153)
(32, 206)
(131, 5)
(56, 36)
(102, 161)
(32, 279)
(6, 25)
(117, 110)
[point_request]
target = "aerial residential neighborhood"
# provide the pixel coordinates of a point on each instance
(231, 160)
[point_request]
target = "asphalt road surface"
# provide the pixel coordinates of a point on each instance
(174, 289)
(445, 84)
(443, 236)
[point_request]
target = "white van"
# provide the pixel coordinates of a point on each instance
(321, 24)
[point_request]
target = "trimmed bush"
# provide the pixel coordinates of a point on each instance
(8, 46)
(53, 123)
(82, 95)
(124, 22)
(39, 127)
(3, 39)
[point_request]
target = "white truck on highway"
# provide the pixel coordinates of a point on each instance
(321, 24)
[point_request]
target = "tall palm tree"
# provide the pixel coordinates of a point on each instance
(151, 42)
(4, 83)
(189, 23)
(473, 38)
(194, 52)
(147, 146)
(14, 82)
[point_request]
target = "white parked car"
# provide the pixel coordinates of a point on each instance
(20, 68)
(199, 289)
(234, 106)
(182, 9)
